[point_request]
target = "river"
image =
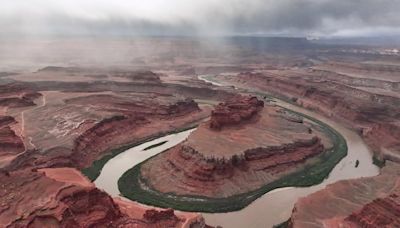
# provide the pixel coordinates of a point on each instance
(273, 207)
(115, 167)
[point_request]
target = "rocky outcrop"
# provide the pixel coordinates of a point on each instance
(60, 69)
(15, 90)
(64, 198)
(129, 123)
(139, 76)
(382, 212)
(375, 116)
(16, 96)
(10, 143)
(116, 129)
(20, 101)
(153, 216)
(235, 111)
(365, 202)
(188, 172)
(6, 120)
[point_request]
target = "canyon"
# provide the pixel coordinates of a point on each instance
(64, 116)
(63, 197)
(375, 116)
(47, 135)
(244, 147)
(366, 103)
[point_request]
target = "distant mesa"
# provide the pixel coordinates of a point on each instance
(139, 76)
(59, 69)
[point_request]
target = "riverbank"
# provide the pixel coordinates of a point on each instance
(94, 170)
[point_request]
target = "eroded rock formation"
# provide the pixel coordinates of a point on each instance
(364, 202)
(10, 142)
(235, 111)
(64, 198)
(382, 212)
(141, 76)
(374, 115)
(97, 138)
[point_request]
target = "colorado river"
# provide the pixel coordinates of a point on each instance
(273, 207)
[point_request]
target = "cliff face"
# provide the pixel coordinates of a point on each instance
(83, 128)
(373, 115)
(10, 142)
(117, 129)
(64, 198)
(369, 103)
(364, 202)
(15, 95)
(148, 77)
(187, 171)
(382, 212)
(243, 147)
(235, 111)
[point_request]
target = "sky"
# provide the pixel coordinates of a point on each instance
(200, 18)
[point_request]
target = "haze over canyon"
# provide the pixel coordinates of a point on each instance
(200, 114)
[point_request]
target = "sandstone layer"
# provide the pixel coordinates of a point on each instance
(374, 115)
(368, 102)
(234, 112)
(62, 197)
(57, 119)
(365, 202)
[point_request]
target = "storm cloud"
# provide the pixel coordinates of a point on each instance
(206, 17)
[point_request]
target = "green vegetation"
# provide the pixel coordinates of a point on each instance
(155, 145)
(131, 182)
(94, 170)
(378, 162)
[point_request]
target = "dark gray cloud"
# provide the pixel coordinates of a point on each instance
(206, 17)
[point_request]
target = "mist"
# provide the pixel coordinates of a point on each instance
(19, 18)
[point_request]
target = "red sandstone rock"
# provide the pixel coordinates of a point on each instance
(6, 120)
(141, 76)
(364, 202)
(235, 111)
(97, 139)
(382, 212)
(374, 115)
(15, 95)
(153, 215)
(10, 143)
(64, 198)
